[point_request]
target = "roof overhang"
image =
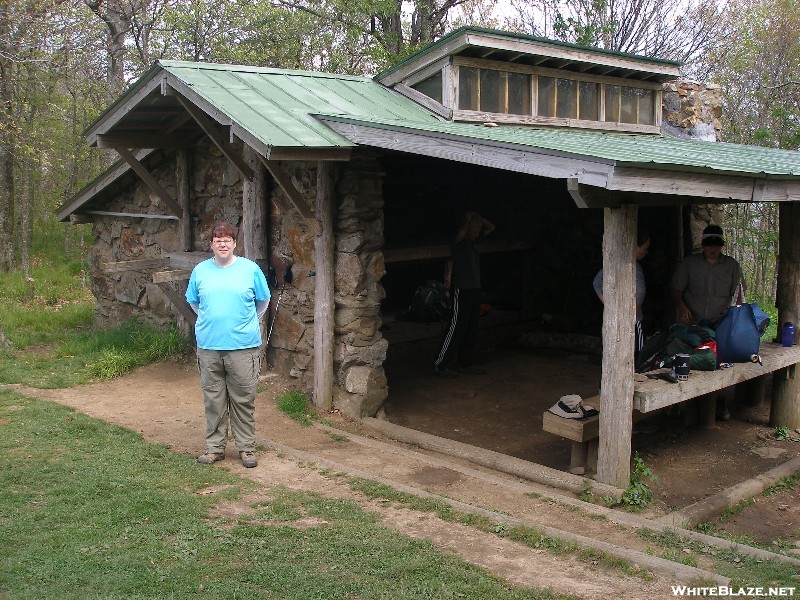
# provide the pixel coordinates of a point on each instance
(509, 47)
(593, 181)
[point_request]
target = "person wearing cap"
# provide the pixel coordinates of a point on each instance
(705, 283)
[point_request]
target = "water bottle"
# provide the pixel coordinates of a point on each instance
(787, 335)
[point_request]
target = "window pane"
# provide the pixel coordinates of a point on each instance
(589, 106)
(547, 97)
(612, 103)
(519, 94)
(629, 105)
(492, 83)
(646, 116)
(431, 87)
(567, 98)
(468, 88)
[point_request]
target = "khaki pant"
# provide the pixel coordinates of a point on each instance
(229, 379)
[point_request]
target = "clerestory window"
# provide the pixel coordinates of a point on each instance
(532, 94)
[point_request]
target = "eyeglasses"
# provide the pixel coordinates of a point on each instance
(226, 242)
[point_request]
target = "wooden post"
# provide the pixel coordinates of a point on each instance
(619, 316)
(323, 293)
(182, 185)
(785, 385)
(254, 209)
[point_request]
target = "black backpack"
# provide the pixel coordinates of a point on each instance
(429, 304)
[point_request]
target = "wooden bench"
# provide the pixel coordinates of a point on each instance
(653, 394)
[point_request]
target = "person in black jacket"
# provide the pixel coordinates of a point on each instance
(462, 334)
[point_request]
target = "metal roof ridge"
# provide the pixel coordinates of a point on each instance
(183, 64)
(467, 29)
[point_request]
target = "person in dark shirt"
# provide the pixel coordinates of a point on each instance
(462, 333)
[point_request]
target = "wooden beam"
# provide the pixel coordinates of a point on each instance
(302, 153)
(139, 264)
(142, 140)
(545, 163)
(111, 118)
(786, 385)
(182, 175)
(100, 183)
(174, 275)
(150, 181)
(548, 72)
(179, 121)
(680, 183)
(213, 131)
(254, 208)
(187, 260)
(283, 180)
(619, 316)
(324, 307)
(109, 213)
(396, 255)
(424, 100)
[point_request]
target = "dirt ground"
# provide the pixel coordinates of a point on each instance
(499, 411)
(502, 411)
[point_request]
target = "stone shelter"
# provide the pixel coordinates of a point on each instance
(353, 184)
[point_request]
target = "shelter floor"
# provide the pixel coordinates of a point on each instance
(502, 411)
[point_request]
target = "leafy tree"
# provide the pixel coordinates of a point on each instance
(657, 28)
(757, 66)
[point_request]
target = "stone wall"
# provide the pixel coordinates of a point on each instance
(216, 193)
(215, 189)
(360, 348)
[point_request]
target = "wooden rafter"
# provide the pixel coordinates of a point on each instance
(216, 134)
(142, 140)
(283, 180)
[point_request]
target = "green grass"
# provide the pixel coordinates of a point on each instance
(48, 322)
(743, 570)
(296, 405)
(529, 536)
(88, 510)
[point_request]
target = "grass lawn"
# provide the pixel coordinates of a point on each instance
(88, 510)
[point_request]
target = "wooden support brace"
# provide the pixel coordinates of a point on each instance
(179, 301)
(294, 195)
(213, 131)
(150, 181)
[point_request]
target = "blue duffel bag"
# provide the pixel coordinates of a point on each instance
(738, 336)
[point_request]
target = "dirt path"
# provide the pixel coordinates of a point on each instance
(163, 403)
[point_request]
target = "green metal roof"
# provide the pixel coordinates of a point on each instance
(622, 149)
(510, 35)
(276, 105)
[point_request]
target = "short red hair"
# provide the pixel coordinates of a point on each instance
(222, 229)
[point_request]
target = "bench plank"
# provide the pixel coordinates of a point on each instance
(652, 394)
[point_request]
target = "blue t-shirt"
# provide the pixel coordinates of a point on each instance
(227, 296)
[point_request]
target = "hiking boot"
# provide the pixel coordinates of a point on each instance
(249, 459)
(445, 373)
(209, 458)
(472, 369)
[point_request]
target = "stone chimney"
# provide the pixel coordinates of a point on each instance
(692, 110)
